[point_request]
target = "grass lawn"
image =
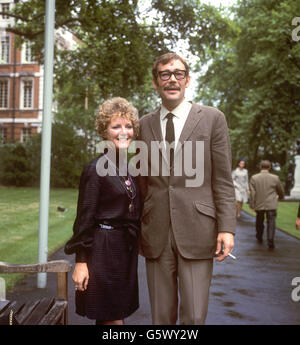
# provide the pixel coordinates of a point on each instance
(286, 217)
(19, 224)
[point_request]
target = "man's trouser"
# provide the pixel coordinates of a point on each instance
(271, 217)
(170, 274)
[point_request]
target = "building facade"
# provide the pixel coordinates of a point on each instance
(21, 82)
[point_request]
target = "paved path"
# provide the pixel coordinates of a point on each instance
(255, 289)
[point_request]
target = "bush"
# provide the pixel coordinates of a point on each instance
(20, 163)
(69, 155)
(15, 167)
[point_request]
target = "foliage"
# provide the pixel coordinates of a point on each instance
(118, 41)
(249, 60)
(254, 78)
(20, 163)
(14, 165)
(68, 156)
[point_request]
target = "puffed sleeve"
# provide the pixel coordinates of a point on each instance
(87, 205)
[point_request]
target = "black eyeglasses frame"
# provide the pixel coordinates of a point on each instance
(159, 73)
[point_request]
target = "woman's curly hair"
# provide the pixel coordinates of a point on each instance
(116, 106)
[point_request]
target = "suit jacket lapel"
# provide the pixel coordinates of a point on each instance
(157, 133)
(155, 125)
(191, 122)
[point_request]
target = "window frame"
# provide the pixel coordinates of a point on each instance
(23, 93)
(5, 60)
(7, 100)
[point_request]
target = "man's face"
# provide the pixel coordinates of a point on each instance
(171, 91)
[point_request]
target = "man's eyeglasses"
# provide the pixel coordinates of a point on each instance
(166, 75)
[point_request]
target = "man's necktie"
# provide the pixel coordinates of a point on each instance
(170, 135)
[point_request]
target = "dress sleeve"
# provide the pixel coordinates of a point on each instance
(247, 180)
(87, 205)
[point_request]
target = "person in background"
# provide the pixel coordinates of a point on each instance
(241, 185)
(106, 227)
(265, 190)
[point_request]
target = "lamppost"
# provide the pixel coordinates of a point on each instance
(46, 140)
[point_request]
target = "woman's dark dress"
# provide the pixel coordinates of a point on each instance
(111, 255)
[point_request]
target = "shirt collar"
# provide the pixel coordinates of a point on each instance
(176, 111)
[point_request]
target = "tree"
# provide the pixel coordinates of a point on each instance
(117, 44)
(255, 79)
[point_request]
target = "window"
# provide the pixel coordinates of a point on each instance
(27, 52)
(27, 93)
(5, 8)
(3, 93)
(3, 135)
(4, 53)
(26, 134)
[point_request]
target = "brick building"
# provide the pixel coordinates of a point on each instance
(21, 82)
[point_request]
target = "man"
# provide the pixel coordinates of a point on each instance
(185, 222)
(265, 188)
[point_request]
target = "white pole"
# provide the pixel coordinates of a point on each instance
(46, 140)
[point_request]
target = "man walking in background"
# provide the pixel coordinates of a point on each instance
(265, 189)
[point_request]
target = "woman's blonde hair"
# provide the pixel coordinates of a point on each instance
(116, 106)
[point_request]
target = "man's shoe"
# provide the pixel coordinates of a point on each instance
(259, 239)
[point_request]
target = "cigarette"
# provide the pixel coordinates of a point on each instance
(232, 256)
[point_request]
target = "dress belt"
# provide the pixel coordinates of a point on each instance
(132, 230)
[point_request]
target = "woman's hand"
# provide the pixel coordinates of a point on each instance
(81, 276)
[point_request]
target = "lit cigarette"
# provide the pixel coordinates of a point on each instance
(232, 256)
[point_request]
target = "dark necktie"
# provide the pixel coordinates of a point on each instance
(170, 135)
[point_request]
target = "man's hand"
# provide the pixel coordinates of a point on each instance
(225, 243)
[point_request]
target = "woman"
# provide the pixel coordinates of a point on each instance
(107, 224)
(241, 185)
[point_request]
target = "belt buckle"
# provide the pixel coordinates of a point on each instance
(107, 227)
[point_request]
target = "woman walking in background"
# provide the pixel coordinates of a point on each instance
(241, 185)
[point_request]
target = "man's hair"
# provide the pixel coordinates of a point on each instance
(265, 164)
(164, 59)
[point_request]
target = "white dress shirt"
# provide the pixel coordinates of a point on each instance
(180, 113)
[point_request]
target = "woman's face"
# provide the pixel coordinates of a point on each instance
(120, 132)
(241, 164)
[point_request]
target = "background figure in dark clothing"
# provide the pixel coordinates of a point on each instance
(107, 223)
(265, 189)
